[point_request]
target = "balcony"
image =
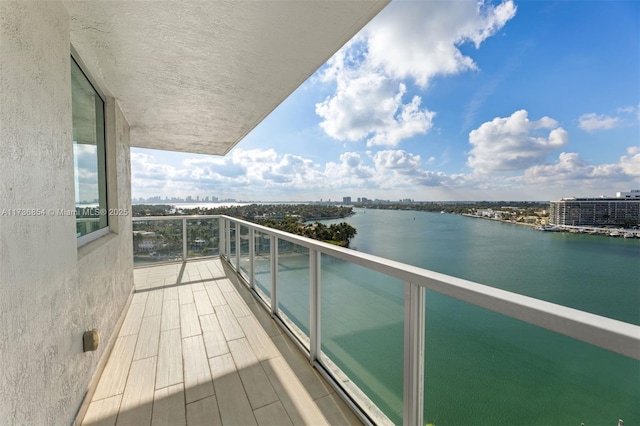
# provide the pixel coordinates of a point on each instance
(232, 338)
(195, 348)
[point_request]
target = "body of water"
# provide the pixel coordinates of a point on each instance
(480, 367)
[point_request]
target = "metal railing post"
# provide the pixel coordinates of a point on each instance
(222, 241)
(252, 255)
(184, 239)
(414, 323)
(228, 230)
(315, 317)
(273, 247)
(238, 230)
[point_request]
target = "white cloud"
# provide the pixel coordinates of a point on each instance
(143, 166)
(630, 163)
(286, 174)
(398, 169)
(416, 40)
(592, 122)
(627, 109)
(389, 174)
(396, 160)
(350, 170)
(370, 104)
(625, 116)
(420, 40)
(514, 143)
(570, 167)
(409, 121)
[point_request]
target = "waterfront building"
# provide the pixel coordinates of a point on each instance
(621, 211)
(634, 193)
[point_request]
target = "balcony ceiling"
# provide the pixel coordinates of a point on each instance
(197, 76)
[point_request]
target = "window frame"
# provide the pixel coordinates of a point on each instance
(94, 235)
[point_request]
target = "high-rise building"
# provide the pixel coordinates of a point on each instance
(622, 210)
(346, 200)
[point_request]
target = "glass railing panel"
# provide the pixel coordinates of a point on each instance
(362, 334)
(244, 252)
(157, 241)
(203, 237)
(293, 288)
(485, 368)
(262, 266)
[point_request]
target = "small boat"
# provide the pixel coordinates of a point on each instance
(550, 228)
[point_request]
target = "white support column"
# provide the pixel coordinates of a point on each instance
(252, 255)
(222, 240)
(227, 230)
(184, 239)
(238, 236)
(414, 323)
(274, 274)
(315, 312)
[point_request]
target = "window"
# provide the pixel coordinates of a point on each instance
(88, 158)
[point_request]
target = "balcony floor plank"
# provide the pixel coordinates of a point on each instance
(273, 415)
(214, 340)
(185, 295)
(168, 406)
(137, 400)
(169, 359)
(133, 320)
(203, 305)
(233, 402)
(259, 340)
(189, 322)
(197, 376)
(103, 412)
(170, 315)
(114, 375)
(154, 304)
(148, 338)
(228, 322)
(204, 412)
(215, 295)
(256, 383)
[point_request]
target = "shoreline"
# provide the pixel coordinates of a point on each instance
(583, 230)
(531, 225)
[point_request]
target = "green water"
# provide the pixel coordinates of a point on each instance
(480, 367)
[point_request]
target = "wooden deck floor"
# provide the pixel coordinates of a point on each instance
(196, 349)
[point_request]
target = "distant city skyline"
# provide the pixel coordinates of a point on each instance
(444, 101)
(347, 200)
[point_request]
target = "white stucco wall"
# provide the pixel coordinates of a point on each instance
(51, 291)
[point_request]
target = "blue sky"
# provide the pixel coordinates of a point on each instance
(439, 100)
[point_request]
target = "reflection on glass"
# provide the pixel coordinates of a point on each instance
(363, 332)
(157, 241)
(202, 237)
(482, 367)
(262, 265)
(293, 287)
(88, 154)
(244, 252)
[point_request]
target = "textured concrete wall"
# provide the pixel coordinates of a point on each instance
(50, 291)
